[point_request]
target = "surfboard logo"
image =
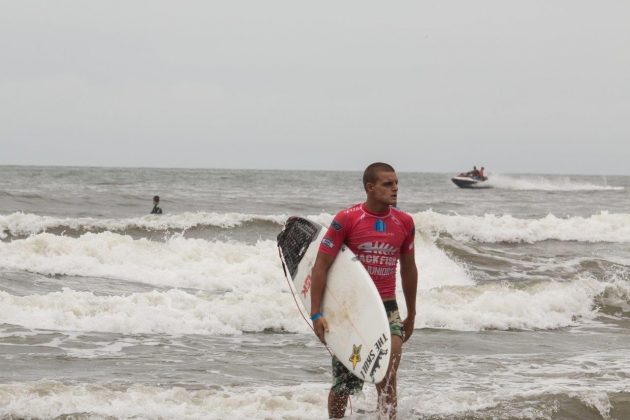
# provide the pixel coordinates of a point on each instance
(377, 363)
(373, 361)
(377, 248)
(356, 355)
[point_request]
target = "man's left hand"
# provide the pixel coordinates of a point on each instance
(408, 324)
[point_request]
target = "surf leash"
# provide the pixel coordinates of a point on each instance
(297, 304)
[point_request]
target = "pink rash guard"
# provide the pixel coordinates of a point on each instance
(378, 240)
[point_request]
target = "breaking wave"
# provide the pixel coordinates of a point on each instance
(205, 286)
(601, 227)
(491, 228)
(24, 224)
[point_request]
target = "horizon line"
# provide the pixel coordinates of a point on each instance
(286, 169)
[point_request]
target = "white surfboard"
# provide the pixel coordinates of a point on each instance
(359, 330)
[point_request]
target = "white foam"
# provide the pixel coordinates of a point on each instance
(177, 262)
(23, 224)
(436, 269)
(465, 308)
(521, 396)
(237, 276)
(184, 262)
(517, 393)
(521, 383)
(232, 276)
(597, 400)
(617, 292)
(602, 227)
(50, 399)
(547, 305)
(542, 183)
(171, 312)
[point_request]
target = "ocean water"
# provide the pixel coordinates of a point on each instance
(109, 312)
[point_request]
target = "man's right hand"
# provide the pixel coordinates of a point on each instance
(321, 327)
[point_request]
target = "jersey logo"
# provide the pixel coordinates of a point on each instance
(336, 225)
(379, 225)
(353, 209)
(377, 248)
(328, 243)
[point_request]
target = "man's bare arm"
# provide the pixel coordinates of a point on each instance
(409, 277)
(319, 277)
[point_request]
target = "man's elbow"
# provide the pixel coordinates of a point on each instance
(322, 264)
(409, 273)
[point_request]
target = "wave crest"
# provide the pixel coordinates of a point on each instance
(24, 224)
(490, 228)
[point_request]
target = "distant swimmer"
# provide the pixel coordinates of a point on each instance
(156, 205)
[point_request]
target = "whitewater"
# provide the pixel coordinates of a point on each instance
(523, 301)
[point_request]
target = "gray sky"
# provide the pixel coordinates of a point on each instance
(516, 86)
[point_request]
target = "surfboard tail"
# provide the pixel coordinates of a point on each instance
(295, 239)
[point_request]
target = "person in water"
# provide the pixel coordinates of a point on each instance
(372, 227)
(156, 205)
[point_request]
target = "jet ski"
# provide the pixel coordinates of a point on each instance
(467, 180)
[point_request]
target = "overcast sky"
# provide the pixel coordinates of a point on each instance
(436, 86)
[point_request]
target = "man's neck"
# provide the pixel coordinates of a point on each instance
(376, 207)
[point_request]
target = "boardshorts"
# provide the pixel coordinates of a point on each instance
(344, 382)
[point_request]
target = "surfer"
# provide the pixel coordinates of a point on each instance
(380, 235)
(156, 205)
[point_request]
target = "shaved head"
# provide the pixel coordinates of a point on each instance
(370, 175)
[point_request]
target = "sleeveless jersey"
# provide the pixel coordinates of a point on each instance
(378, 240)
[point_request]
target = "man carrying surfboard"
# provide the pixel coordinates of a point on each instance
(379, 235)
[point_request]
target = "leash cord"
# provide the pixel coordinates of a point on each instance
(302, 312)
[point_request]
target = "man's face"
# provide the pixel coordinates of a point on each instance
(385, 189)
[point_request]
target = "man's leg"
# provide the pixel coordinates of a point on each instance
(344, 384)
(337, 402)
(387, 400)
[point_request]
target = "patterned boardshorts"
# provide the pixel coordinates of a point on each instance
(343, 380)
